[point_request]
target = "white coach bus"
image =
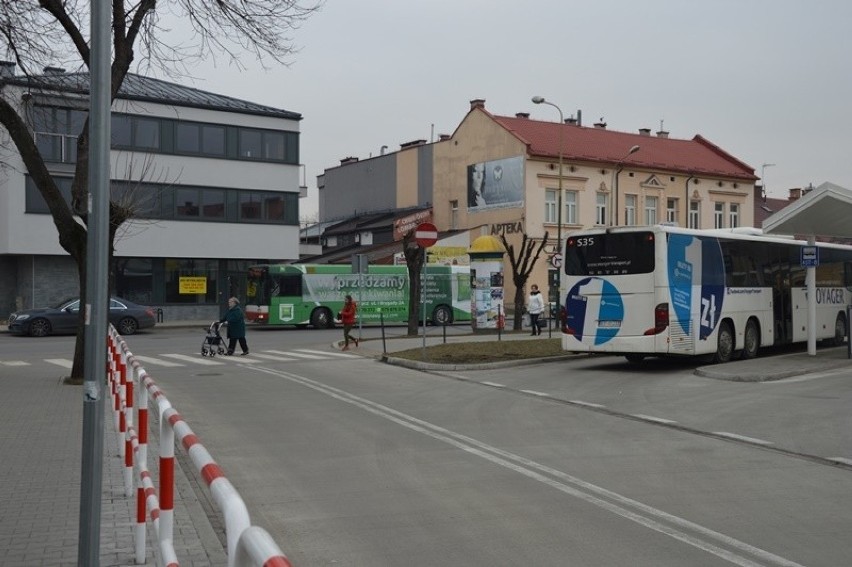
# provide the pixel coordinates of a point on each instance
(661, 290)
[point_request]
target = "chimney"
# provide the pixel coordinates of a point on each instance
(662, 134)
(477, 103)
(645, 131)
(795, 194)
(571, 120)
(348, 160)
(443, 137)
(53, 70)
(600, 125)
(522, 115)
(7, 69)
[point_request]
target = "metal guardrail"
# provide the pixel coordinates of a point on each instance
(247, 545)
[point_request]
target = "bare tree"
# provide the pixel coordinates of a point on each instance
(415, 257)
(55, 32)
(522, 264)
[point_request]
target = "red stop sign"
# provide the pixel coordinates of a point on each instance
(426, 234)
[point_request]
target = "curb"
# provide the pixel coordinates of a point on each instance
(706, 372)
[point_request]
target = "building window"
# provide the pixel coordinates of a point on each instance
(550, 206)
(177, 268)
(734, 215)
(56, 131)
(571, 207)
(200, 139)
(600, 209)
(719, 215)
(629, 210)
(650, 210)
(671, 211)
(454, 214)
(694, 214)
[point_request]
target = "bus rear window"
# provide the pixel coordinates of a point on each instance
(610, 254)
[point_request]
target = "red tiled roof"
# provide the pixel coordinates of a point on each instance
(697, 156)
(765, 208)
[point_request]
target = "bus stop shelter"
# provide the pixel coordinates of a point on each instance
(826, 211)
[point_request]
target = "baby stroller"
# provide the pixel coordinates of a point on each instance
(213, 343)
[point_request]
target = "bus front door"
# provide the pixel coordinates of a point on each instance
(782, 303)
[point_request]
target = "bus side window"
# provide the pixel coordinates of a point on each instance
(290, 285)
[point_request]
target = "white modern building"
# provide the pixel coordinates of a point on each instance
(213, 180)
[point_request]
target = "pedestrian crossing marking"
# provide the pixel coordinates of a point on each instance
(194, 359)
(14, 363)
(297, 354)
(273, 357)
(324, 353)
(157, 361)
(63, 362)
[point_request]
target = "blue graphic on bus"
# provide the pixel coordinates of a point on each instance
(696, 261)
(610, 310)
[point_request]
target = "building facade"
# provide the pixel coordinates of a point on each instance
(213, 182)
(500, 175)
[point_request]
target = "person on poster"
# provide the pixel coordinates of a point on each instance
(535, 307)
(476, 185)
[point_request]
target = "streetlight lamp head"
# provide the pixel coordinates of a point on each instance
(538, 99)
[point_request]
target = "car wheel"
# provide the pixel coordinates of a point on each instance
(127, 326)
(751, 340)
(442, 315)
(40, 328)
(724, 343)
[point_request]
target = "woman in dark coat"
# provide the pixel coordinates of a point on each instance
(236, 326)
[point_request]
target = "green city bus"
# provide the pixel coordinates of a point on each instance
(312, 294)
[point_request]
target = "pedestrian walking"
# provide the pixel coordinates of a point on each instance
(236, 323)
(535, 307)
(347, 317)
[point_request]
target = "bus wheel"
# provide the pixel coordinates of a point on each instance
(751, 340)
(839, 330)
(442, 315)
(725, 343)
(321, 319)
(634, 357)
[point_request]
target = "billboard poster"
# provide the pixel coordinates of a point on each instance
(495, 184)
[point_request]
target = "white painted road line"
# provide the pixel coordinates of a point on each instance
(652, 418)
(742, 438)
(494, 384)
(14, 363)
(157, 361)
(843, 460)
(273, 357)
(324, 353)
(194, 359)
(587, 404)
(63, 362)
(534, 393)
(297, 354)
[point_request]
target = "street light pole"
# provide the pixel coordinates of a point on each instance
(619, 165)
(541, 100)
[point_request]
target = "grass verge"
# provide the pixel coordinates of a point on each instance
(484, 351)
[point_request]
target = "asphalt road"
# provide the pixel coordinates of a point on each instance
(347, 461)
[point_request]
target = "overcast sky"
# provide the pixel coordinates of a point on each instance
(769, 81)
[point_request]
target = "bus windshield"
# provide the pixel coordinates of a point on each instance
(610, 254)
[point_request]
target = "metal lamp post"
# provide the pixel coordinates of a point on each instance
(541, 100)
(619, 165)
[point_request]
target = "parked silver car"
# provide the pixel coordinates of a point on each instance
(126, 316)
